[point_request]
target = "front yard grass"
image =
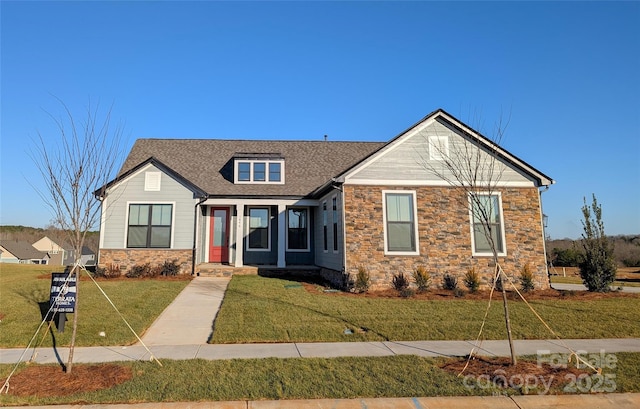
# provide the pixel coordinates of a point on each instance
(24, 298)
(295, 378)
(259, 309)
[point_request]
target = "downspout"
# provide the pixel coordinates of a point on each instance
(544, 233)
(195, 233)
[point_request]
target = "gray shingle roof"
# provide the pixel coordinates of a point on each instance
(208, 163)
(22, 250)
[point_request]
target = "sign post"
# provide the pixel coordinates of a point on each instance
(62, 297)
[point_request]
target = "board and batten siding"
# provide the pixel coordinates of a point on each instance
(132, 191)
(408, 160)
(330, 259)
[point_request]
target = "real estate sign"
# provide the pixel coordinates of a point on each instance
(62, 296)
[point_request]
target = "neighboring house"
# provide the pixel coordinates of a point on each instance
(334, 205)
(55, 251)
(63, 254)
(16, 251)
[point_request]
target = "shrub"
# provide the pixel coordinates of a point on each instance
(109, 271)
(497, 283)
(598, 269)
(449, 282)
(471, 280)
(139, 271)
(526, 279)
(363, 280)
(170, 268)
(400, 282)
(422, 278)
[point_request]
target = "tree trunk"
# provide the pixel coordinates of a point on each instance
(507, 321)
(75, 321)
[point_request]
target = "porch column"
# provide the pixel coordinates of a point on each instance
(282, 231)
(239, 235)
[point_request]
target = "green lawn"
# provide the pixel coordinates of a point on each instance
(23, 292)
(295, 378)
(259, 309)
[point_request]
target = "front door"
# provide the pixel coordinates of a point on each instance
(219, 237)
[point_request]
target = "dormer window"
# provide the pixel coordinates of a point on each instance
(259, 168)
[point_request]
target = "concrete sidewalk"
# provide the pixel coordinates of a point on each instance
(608, 401)
(189, 318)
(582, 287)
(320, 350)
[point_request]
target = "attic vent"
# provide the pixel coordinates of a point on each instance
(152, 181)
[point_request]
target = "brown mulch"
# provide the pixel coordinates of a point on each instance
(83, 277)
(502, 374)
(46, 381)
(440, 294)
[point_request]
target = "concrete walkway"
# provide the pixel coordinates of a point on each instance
(189, 318)
(581, 287)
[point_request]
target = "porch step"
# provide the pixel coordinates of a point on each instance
(220, 270)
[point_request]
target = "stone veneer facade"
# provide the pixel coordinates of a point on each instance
(444, 236)
(127, 258)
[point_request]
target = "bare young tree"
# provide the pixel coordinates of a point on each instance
(475, 169)
(80, 157)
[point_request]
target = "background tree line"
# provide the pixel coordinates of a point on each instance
(569, 253)
(33, 234)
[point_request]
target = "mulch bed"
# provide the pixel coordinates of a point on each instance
(440, 294)
(499, 373)
(47, 380)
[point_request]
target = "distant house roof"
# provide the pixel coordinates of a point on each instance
(22, 250)
(209, 163)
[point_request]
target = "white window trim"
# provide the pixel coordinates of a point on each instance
(474, 253)
(415, 223)
(248, 229)
(308, 249)
(149, 202)
(438, 147)
(266, 176)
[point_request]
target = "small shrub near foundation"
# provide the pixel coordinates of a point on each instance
(449, 282)
(400, 282)
(472, 280)
(422, 279)
(526, 279)
(363, 280)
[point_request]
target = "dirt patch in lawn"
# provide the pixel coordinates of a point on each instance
(440, 294)
(47, 380)
(526, 377)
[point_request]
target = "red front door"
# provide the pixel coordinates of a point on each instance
(219, 236)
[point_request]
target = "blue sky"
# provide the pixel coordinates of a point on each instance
(567, 75)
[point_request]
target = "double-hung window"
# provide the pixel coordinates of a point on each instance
(149, 226)
(487, 227)
(325, 243)
(401, 233)
(334, 219)
(298, 229)
(258, 229)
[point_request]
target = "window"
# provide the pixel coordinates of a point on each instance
(438, 147)
(259, 171)
(244, 171)
(258, 229)
(275, 174)
(400, 226)
(334, 203)
(149, 226)
(324, 227)
(298, 231)
(486, 216)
